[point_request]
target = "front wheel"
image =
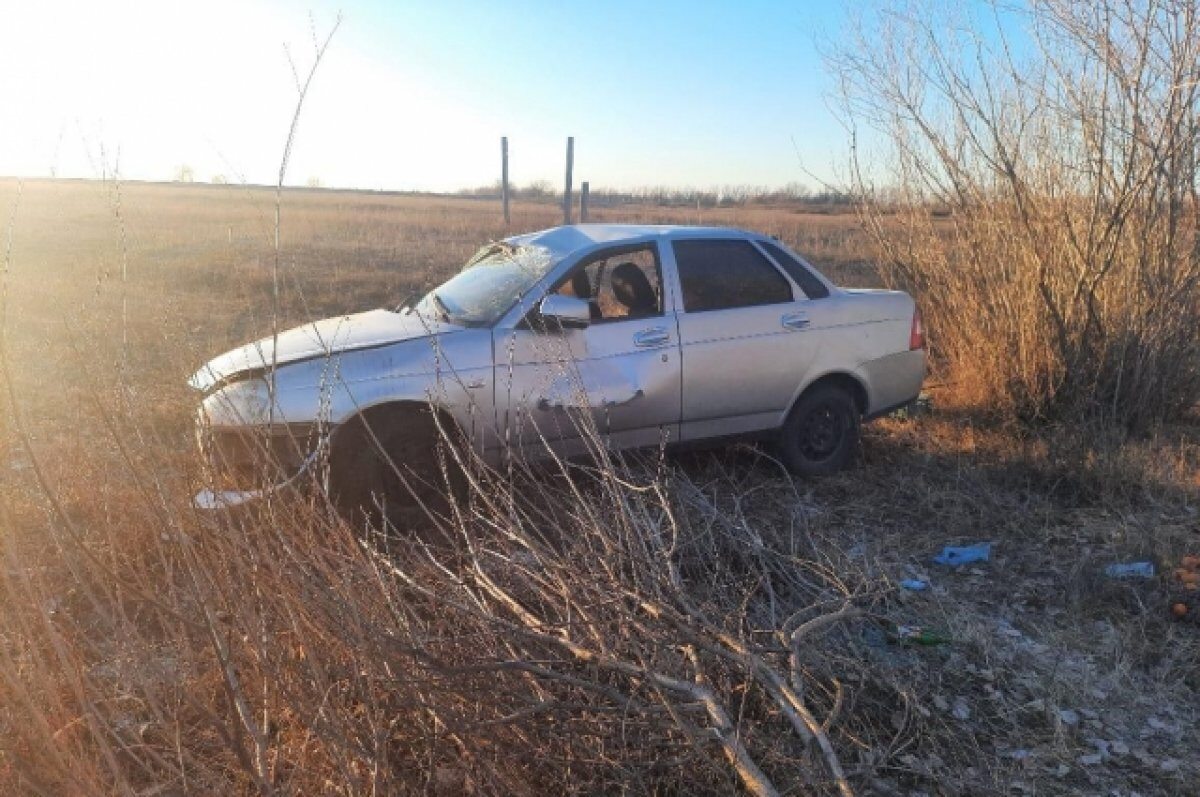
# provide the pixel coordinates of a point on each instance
(820, 435)
(386, 470)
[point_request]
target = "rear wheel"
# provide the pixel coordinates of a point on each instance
(385, 469)
(820, 435)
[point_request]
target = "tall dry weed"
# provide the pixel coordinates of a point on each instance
(1042, 201)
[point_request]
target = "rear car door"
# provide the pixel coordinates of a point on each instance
(746, 334)
(622, 371)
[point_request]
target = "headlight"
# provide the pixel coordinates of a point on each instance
(244, 403)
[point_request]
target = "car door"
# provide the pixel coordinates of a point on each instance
(747, 335)
(619, 376)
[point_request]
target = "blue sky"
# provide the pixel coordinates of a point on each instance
(416, 95)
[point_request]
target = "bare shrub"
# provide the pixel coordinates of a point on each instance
(606, 625)
(1041, 199)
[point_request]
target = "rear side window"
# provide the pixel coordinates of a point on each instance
(813, 288)
(717, 275)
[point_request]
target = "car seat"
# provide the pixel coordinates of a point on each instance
(632, 289)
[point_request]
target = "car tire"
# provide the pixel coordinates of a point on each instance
(385, 470)
(820, 436)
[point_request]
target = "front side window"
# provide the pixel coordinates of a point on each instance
(720, 274)
(618, 285)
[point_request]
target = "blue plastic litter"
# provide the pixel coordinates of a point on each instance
(964, 554)
(1130, 570)
(914, 584)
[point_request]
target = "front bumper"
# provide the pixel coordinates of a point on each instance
(247, 465)
(212, 500)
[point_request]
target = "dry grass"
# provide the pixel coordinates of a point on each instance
(143, 647)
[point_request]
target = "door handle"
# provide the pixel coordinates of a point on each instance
(794, 321)
(654, 336)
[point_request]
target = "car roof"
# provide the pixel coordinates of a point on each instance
(568, 239)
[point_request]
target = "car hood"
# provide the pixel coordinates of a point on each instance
(319, 339)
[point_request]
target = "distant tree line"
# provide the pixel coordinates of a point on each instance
(721, 196)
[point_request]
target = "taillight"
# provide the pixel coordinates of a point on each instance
(916, 338)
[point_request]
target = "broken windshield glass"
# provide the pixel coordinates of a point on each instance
(492, 281)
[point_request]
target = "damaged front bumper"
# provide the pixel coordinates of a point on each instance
(246, 466)
(210, 500)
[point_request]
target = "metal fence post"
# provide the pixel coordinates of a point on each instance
(567, 189)
(504, 177)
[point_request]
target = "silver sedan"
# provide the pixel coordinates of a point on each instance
(547, 342)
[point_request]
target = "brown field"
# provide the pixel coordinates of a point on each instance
(1055, 677)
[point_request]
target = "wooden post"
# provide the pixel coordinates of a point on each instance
(583, 201)
(567, 189)
(504, 176)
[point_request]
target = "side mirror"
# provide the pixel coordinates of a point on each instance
(570, 312)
